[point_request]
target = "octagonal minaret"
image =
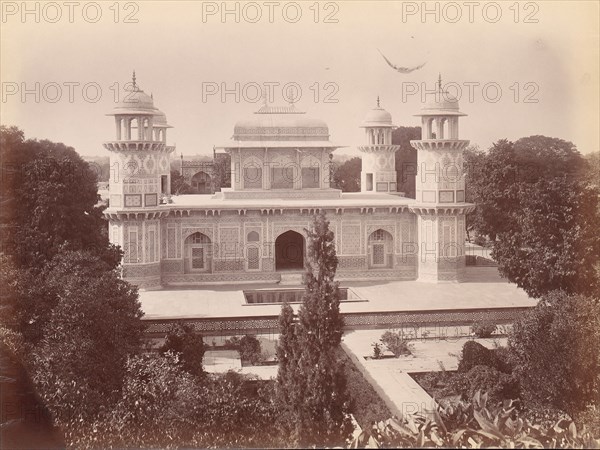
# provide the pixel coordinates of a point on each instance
(139, 184)
(440, 190)
(378, 172)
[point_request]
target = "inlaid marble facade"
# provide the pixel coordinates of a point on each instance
(280, 178)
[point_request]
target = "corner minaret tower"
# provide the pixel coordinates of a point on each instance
(378, 162)
(139, 184)
(440, 190)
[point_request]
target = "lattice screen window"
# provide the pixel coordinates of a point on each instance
(151, 256)
(131, 248)
(378, 254)
(171, 250)
(253, 258)
(199, 238)
(351, 239)
(197, 258)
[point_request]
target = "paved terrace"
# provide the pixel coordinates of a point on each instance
(220, 309)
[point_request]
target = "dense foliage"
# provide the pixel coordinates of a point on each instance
(347, 175)
(188, 345)
(483, 329)
(406, 159)
(536, 204)
(365, 404)
(311, 382)
(79, 363)
(478, 424)
(49, 202)
(250, 349)
(556, 351)
(164, 406)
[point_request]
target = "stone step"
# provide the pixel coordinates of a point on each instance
(291, 279)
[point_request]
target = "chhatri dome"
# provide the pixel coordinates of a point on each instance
(280, 123)
(440, 102)
(377, 117)
(135, 101)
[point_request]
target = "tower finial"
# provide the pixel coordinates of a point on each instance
(133, 79)
(440, 81)
(264, 97)
(378, 101)
(291, 98)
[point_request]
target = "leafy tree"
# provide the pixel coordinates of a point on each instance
(406, 159)
(50, 202)
(534, 203)
(554, 242)
(311, 380)
(178, 184)
(163, 406)
(491, 183)
(79, 364)
(494, 178)
(593, 173)
(250, 349)
(555, 348)
(347, 176)
(183, 341)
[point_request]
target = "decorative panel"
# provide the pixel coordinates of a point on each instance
(446, 196)
(151, 199)
(350, 239)
(133, 200)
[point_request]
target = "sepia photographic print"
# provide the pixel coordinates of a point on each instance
(299, 224)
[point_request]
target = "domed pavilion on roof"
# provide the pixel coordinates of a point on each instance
(281, 172)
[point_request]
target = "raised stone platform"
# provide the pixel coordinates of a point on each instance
(223, 311)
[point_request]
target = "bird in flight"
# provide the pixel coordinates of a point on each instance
(401, 69)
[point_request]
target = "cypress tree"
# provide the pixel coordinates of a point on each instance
(311, 380)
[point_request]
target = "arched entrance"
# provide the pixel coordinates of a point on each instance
(381, 246)
(198, 253)
(289, 251)
(201, 183)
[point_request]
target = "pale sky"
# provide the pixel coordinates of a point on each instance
(177, 55)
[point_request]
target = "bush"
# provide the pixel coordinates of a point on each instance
(366, 405)
(483, 329)
(183, 341)
(377, 353)
(498, 385)
(250, 349)
(233, 343)
(475, 354)
(396, 343)
(478, 424)
(555, 348)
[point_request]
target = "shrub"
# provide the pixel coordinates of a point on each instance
(396, 343)
(366, 405)
(475, 354)
(183, 341)
(555, 346)
(377, 353)
(233, 343)
(250, 349)
(498, 385)
(483, 329)
(473, 425)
